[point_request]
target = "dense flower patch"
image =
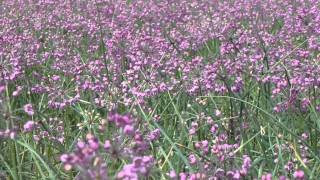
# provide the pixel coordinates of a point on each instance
(183, 89)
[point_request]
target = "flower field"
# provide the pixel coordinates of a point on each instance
(160, 89)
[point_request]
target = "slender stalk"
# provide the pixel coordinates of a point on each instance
(13, 146)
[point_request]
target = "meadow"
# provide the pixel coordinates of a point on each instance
(160, 89)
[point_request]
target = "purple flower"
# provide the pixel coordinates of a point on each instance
(128, 129)
(55, 78)
(139, 167)
(17, 91)
(192, 159)
(172, 174)
(107, 145)
(218, 113)
(93, 142)
(266, 177)
(282, 178)
(154, 135)
(214, 128)
(298, 174)
(29, 126)
(183, 176)
(64, 157)
(28, 109)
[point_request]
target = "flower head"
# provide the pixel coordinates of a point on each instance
(28, 109)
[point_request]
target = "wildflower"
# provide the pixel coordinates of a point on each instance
(128, 129)
(55, 78)
(282, 178)
(298, 174)
(17, 91)
(218, 113)
(214, 128)
(172, 174)
(192, 159)
(28, 109)
(154, 135)
(266, 177)
(183, 176)
(29, 126)
(107, 145)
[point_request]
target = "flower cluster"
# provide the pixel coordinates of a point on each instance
(86, 158)
(144, 48)
(46, 130)
(61, 60)
(134, 150)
